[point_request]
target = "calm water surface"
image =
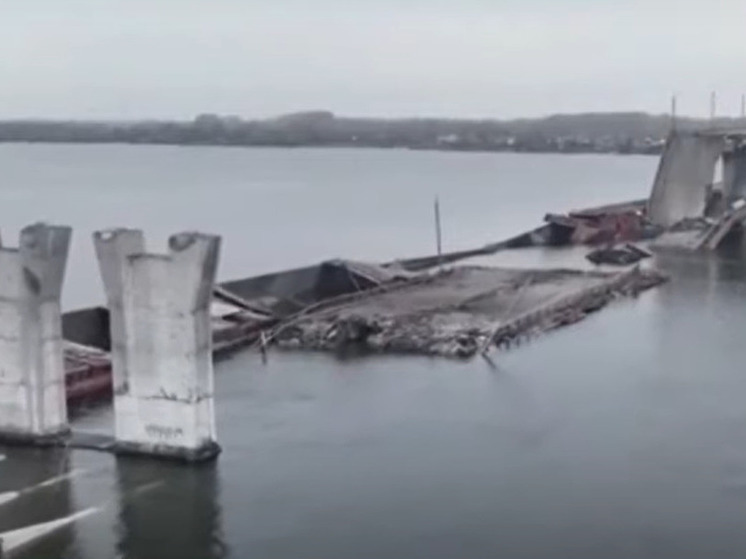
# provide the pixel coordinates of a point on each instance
(621, 437)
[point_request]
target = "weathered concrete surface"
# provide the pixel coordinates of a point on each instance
(454, 313)
(161, 343)
(683, 240)
(32, 375)
(727, 223)
(691, 235)
(734, 174)
(686, 167)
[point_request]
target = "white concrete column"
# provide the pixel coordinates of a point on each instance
(686, 167)
(33, 407)
(161, 342)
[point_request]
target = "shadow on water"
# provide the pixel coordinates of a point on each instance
(177, 516)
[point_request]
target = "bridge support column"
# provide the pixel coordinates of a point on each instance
(161, 343)
(33, 407)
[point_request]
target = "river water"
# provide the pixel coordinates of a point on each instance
(621, 437)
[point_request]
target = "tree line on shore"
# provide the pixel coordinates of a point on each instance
(592, 132)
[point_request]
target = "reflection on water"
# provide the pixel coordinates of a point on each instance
(166, 510)
(36, 478)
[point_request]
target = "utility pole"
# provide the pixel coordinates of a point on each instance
(673, 112)
(713, 107)
(743, 105)
(438, 237)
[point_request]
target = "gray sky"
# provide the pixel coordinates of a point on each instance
(472, 58)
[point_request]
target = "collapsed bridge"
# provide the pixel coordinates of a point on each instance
(697, 208)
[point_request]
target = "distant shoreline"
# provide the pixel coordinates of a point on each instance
(602, 133)
(485, 150)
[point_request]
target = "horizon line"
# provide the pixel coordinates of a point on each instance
(126, 120)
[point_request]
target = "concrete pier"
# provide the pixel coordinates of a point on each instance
(161, 343)
(686, 167)
(33, 407)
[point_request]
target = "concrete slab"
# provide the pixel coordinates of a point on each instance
(455, 313)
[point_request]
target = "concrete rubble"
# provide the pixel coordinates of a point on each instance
(455, 313)
(696, 211)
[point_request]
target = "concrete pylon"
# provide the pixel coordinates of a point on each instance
(161, 342)
(33, 408)
(686, 167)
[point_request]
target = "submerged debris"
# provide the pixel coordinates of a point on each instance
(619, 256)
(457, 313)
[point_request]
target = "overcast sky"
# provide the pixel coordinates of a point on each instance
(473, 58)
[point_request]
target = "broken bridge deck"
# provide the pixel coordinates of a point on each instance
(455, 312)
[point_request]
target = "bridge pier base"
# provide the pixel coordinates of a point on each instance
(161, 343)
(33, 408)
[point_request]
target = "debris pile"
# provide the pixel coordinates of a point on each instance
(459, 312)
